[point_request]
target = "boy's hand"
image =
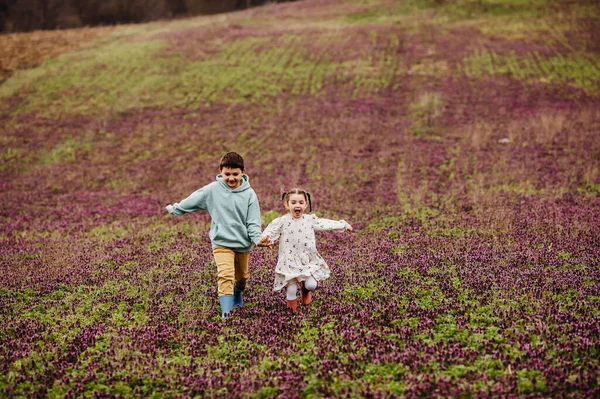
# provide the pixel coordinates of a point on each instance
(265, 242)
(169, 208)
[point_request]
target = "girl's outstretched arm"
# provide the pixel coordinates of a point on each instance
(330, 225)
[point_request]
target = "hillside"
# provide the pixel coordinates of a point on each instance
(459, 138)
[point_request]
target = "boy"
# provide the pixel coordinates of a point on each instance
(235, 226)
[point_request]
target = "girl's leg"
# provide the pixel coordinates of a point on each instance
(310, 283)
(292, 291)
(307, 286)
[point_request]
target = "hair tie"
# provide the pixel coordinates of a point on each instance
(283, 196)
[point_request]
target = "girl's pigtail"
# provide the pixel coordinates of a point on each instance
(309, 202)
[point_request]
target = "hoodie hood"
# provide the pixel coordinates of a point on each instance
(244, 184)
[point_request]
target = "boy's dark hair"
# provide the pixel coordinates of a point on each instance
(286, 196)
(232, 160)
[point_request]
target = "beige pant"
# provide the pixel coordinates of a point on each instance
(231, 267)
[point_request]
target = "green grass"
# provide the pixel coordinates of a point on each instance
(579, 70)
(363, 16)
(121, 75)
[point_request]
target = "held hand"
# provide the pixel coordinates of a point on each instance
(265, 242)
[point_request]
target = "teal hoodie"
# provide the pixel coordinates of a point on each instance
(235, 213)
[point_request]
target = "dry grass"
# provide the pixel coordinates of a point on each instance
(478, 134)
(28, 50)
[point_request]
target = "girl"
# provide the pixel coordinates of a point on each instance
(298, 260)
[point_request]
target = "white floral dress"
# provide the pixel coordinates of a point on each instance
(298, 257)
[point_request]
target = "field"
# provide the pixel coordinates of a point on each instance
(461, 139)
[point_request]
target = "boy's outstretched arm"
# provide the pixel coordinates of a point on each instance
(195, 202)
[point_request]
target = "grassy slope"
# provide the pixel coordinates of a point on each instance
(475, 268)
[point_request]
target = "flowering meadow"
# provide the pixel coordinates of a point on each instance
(461, 139)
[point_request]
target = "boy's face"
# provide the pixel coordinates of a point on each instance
(232, 176)
(296, 205)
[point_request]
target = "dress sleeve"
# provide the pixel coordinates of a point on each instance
(273, 230)
(329, 225)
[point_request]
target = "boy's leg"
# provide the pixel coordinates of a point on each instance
(225, 260)
(242, 274)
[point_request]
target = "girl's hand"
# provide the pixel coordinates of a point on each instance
(265, 242)
(349, 229)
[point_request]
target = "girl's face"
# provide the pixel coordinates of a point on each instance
(296, 205)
